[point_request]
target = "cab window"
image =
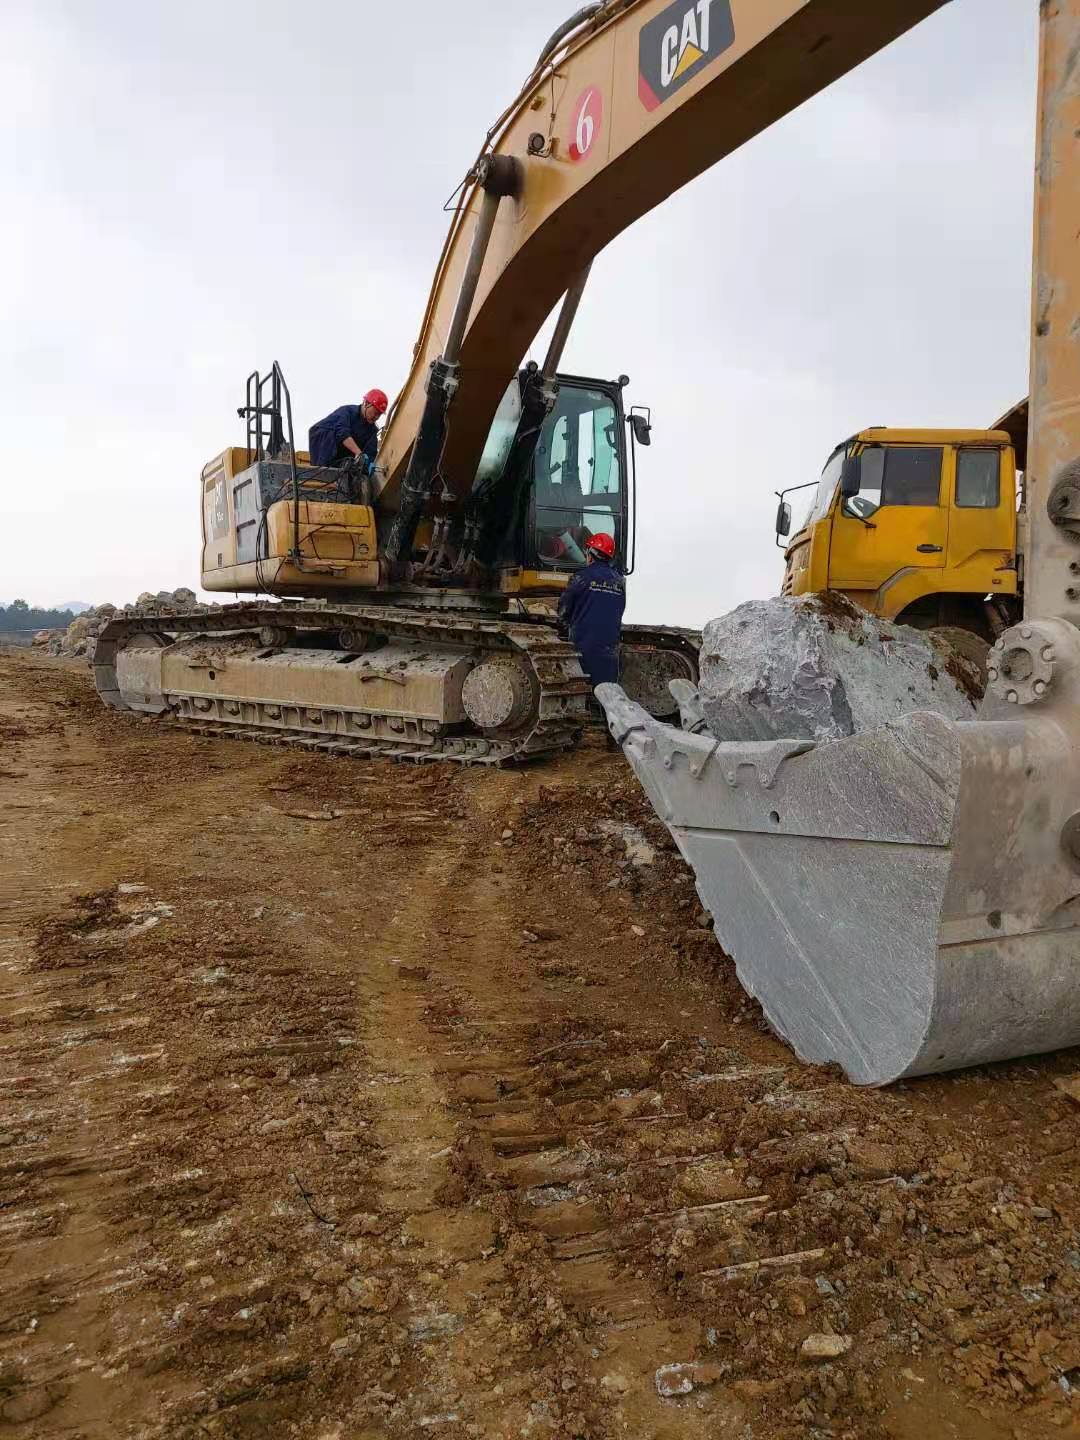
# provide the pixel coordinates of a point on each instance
(577, 475)
(978, 479)
(901, 474)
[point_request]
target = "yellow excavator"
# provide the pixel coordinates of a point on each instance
(402, 621)
(903, 900)
(441, 655)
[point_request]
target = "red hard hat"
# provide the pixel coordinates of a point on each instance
(378, 399)
(602, 545)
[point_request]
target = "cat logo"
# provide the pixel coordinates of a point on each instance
(678, 44)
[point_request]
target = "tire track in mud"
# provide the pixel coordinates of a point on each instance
(569, 1339)
(487, 1328)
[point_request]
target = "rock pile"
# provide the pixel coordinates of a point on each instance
(819, 668)
(79, 637)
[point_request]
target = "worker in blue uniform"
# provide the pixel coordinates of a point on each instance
(349, 432)
(591, 609)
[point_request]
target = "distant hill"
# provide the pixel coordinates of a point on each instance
(75, 606)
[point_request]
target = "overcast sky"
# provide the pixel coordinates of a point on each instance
(190, 191)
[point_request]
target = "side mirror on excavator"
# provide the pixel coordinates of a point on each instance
(783, 519)
(642, 428)
(851, 477)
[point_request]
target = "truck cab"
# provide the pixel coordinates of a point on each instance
(918, 526)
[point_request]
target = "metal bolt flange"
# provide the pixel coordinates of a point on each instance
(1021, 665)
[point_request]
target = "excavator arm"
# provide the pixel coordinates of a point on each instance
(630, 100)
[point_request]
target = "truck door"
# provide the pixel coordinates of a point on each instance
(896, 522)
(982, 527)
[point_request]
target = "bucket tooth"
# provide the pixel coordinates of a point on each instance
(688, 698)
(900, 902)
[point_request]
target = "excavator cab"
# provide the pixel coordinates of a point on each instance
(548, 486)
(581, 486)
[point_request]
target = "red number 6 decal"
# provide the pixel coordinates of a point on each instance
(586, 121)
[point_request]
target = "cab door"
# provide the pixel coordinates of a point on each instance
(896, 522)
(982, 526)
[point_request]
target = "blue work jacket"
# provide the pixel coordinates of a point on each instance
(592, 607)
(326, 437)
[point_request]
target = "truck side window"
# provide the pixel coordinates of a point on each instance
(978, 479)
(912, 475)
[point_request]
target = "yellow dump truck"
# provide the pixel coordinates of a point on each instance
(920, 526)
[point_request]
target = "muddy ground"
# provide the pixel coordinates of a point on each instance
(348, 1100)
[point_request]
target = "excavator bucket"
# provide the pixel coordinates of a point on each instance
(902, 901)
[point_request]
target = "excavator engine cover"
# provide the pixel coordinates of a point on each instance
(905, 900)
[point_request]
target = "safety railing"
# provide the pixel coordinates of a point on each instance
(270, 432)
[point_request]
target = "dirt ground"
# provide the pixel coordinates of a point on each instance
(349, 1100)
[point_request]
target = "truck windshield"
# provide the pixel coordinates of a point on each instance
(578, 479)
(822, 497)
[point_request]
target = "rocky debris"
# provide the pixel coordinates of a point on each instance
(80, 637)
(825, 1347)
(957, 1244)
(682, 1378)
(819, 668)
(638, 850)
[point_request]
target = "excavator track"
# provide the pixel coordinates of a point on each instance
(141, 661)
(653, 656)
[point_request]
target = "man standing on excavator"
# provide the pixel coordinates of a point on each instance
(348, 433)
(591, 608)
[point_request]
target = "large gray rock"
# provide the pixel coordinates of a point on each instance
(819, 668)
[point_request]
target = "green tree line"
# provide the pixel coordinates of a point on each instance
(21, 616)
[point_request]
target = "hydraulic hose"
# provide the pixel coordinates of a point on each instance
(567, 28)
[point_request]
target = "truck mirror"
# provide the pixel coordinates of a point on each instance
(642, 429)
(783, 518)
(851, 476)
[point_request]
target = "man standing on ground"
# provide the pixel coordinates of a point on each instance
(591, 608)
(348, 432)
